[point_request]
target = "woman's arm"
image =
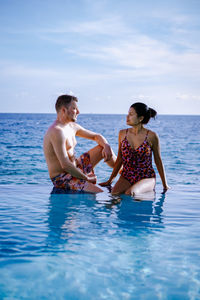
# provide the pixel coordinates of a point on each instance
(117, 166)
(158, 161)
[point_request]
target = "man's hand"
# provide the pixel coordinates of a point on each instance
(92, 178)
(107, 152)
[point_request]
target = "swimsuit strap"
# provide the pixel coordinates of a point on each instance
(145, 136)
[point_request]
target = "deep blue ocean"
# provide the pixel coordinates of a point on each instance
(83, 246)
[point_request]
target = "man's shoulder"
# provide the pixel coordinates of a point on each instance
(75, 126)
(54, 130)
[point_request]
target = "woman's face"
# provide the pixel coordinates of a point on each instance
(132, 118)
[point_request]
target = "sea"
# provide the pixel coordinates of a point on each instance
(96, 246)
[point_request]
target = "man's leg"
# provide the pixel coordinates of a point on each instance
(76, 184)
(91, 188)
(96, 156)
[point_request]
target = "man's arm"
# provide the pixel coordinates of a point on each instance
(59, 145)
(98, 138)
(118, 163)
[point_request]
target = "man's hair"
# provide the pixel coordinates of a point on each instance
(64, 100)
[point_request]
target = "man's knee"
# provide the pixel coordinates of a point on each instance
(95, 155)
(92, 188)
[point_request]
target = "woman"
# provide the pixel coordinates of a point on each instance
(136, 145)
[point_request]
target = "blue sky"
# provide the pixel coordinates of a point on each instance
(109, 53)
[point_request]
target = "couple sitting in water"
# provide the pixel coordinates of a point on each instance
(136, 145)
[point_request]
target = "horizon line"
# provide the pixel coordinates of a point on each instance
(44, 113)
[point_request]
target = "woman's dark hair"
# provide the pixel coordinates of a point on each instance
(142, 110)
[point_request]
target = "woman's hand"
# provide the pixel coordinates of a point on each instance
(166, 188)
(106, 183)
(129, 192)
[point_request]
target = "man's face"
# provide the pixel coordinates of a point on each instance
(72, 111)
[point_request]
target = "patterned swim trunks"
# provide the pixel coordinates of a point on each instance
(67, 182)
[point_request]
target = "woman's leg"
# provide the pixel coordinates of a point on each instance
(143, 186)
(120, 186)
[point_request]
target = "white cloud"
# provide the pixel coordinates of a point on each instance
(142, 56)
(23, 71)
(106, 59)
(108, 26)
(181, 96)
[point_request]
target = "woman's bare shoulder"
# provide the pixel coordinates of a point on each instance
(152, 137)
(122, 132)
(152, 134)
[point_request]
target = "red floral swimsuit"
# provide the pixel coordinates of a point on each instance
(137, 163)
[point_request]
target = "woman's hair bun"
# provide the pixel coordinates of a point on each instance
(143, 110)
(152, 112)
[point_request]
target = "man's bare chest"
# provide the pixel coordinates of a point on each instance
(70, 139)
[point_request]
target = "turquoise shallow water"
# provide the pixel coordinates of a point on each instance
(79, 246)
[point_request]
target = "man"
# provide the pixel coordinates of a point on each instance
(65, 170)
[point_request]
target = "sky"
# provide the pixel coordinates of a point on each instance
(108, 53)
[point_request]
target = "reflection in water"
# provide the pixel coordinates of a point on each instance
(65, 213)
(141, 212)
(158, 208)
(80, 215)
